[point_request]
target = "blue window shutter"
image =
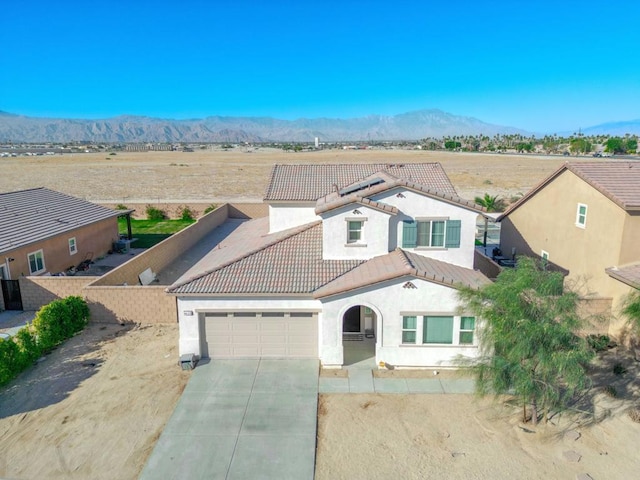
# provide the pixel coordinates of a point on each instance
(409, 234)
(453, 234)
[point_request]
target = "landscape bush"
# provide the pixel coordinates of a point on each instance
(154, 213)
(210, 208)
(598, 342)
(186, 213)
(53, 324)
(120, 206)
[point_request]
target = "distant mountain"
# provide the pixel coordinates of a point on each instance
(615, 128)
(126, 128)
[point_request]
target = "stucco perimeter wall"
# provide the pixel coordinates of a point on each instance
(161, 255)
(38, 291)
(174, 210)
(136, 304)
(487, 266)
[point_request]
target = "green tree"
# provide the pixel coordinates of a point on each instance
(615, 145)
(452, 144)
(527, 340)
(580, 145)
(632, 145)
(632, 309)
(491, 203)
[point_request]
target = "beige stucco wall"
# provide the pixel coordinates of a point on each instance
(95, 239)
(174, 210)
(630, 248)
(547, 221)
(165, 252)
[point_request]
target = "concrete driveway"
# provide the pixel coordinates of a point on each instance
(240, 419)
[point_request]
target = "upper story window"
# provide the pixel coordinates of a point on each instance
(355, 230)
(73, 247)
(581, 215)
(435, 233)
(36, 262)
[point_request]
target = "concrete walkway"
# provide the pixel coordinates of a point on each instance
(13, 320)
(363, 381)
(240, 419)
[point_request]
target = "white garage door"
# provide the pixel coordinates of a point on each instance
(260, 334)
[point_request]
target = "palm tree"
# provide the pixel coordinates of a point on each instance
(491, 203)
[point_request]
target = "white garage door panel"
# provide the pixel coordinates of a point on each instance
(257, 336)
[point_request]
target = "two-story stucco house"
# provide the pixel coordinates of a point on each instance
(584, 217)
(368, 252)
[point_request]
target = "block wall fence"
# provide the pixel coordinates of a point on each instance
(117, 296)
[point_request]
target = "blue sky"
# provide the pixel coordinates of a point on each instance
(542, 66)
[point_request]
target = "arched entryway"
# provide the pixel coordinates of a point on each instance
(359, 324)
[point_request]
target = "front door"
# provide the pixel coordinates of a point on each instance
(351, 320)
(11, 294)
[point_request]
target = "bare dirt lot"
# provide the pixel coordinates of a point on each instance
(95, 407)
(242, 173)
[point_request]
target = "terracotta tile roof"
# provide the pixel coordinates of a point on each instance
(310, 182)
(619, 181)
(387, 182)
(401, 263)
(250, 261)
(629, 274)
(29, 216)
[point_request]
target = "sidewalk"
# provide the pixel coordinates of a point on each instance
(363, 381)
(13, 320)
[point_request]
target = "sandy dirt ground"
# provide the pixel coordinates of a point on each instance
(242, 174)
(463, 437)
(94, 407)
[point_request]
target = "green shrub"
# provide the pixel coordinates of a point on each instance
(28, 347)
(598, 342)
(154, 213)
(121, 207)
(60, 320)
(186, 214)
(9, 360)
(610, 391)
(619, 369)
(210, 208)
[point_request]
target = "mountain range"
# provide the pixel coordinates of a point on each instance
(406, 126)
(413, 125)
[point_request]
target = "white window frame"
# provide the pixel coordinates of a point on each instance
(581, 218)
(35, 254)
(73, 246)
(360, 241)
(420, 324)
(414, 330)
(431, 221)
(466, 330)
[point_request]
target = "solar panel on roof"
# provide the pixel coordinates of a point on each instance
(360, 186)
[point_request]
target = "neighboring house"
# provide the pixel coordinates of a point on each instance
(585, 218)
(46, 232)
(347, 252)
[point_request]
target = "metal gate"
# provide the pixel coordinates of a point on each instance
(11, 294)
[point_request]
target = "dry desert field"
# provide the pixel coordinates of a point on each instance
(94, 408)
(241, 174)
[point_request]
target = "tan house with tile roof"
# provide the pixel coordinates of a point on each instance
(371, 253)
(585, 217)
(45, 232)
